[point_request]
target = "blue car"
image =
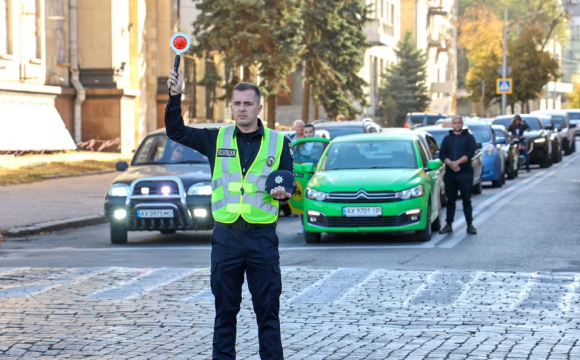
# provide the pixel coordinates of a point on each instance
(493, 155)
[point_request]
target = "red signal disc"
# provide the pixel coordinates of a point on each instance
(180, 42)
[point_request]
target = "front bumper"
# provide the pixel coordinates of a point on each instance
(320, 216)
(187, 210)
(540, 152)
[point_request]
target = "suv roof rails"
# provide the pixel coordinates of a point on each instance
(318, 121)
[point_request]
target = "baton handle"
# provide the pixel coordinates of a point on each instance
(176, 63)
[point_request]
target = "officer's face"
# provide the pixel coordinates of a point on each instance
(245, 107)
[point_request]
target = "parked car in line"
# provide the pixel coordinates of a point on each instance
(416, 119)
(555, 136)
(166, 188)
(510, 149)
(537, 138)
(340, 128)
(574, 115)
(567, 130)
(373, 183)
(438, 132)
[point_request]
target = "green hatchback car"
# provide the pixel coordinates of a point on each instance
(373, 183)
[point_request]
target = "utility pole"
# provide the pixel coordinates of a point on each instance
(504, 65)
(482, 96)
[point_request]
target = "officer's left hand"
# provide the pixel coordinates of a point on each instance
(280, 193)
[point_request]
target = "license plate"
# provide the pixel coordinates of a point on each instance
(155, 214)
(362, 211)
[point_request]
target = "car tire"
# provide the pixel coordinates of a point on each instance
(556, 155)
(478, 188)
(436, 225)
(167, 232)
(312, 237)
(574, 145)
(567, 148)
(425, 234)
(118, 233)
(546, 164)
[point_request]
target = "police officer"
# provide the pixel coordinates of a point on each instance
(244, 238)
(457, 150)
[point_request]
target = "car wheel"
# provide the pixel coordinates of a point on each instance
(478, 188)
(425, 234)
(436, 225)
(567, 148)
(312, 237)
(118, 233)
(166, 232)
(573, 145)
(546, 163)
(556, 155)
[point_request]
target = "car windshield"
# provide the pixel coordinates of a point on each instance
(558, 120)
(481, 133)
(546, 121)
(574, 115)
(378, 154)
(532, 122)
(159, 149)
(419, 119)
(309, 152)
(341, 131)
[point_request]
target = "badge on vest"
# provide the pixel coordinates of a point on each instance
(226, 153)
(270, 161)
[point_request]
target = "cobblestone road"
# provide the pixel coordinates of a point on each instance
(327, 313)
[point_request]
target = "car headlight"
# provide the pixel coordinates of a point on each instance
(488, 150)
(119, 190)
(316, 194)
(203, 188)
(410, 193)
(540, 140)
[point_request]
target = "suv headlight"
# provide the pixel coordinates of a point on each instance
(203, 188)
(410, 193)
(540, 140)
(488, 150)
(316, 194)
(121, 190)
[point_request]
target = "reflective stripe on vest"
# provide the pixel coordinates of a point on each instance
(229, 201)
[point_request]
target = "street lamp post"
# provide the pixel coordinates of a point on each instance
(504, 65)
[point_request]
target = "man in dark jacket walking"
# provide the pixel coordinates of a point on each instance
(457, 150)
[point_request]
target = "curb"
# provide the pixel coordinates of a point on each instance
(75, 222)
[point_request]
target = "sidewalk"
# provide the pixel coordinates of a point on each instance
(53, 204)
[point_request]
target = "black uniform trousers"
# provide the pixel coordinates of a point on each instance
(461, 181)
(254, 252)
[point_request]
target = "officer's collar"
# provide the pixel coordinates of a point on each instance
(260, 129)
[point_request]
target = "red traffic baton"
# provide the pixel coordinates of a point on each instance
(179, 43)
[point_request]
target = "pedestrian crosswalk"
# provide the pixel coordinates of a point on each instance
(558, 292)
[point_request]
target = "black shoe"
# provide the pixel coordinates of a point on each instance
(471, 230)
(446, 230)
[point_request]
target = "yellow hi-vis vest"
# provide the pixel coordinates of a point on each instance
(234, 195)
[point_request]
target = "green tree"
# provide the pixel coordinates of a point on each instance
(404, 88)
(574, 98)
(335, 44)
(254, 34)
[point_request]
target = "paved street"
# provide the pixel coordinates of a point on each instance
(511, 292)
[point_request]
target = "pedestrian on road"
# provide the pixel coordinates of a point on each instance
(298, 130)
(457, 150)
(244, 239)
(517, 128)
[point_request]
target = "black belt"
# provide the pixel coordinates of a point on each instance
(242, 224)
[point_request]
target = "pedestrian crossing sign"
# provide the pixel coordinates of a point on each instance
(504, 86)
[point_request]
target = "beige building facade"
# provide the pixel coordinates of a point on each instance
(99, 68)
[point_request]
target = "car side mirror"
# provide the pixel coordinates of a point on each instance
(434, 164)
(122, 166)
(304, 168)
(501, 140)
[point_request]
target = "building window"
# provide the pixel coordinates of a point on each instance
(392, 14)
(29, 28)
(5, 27)
(59, 18)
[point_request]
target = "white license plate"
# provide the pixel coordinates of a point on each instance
(155, 214)
(362, 211)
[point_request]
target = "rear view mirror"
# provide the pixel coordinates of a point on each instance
(122, 166)
(434, 164)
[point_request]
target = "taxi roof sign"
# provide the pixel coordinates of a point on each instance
(504, 86)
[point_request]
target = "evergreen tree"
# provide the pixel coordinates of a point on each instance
(262, 34)
(335, 44)
(404, 88)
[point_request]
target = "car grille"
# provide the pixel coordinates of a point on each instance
(150, 224)
(155, 187)
(362, 197)
(362, 221)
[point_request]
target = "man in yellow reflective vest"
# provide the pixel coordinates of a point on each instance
(244, 238)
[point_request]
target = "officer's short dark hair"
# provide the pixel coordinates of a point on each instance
(309, 126)
(243, 86)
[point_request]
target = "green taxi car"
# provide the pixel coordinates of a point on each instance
(373, 183)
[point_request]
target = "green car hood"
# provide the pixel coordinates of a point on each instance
(370, 180)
